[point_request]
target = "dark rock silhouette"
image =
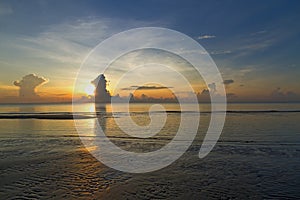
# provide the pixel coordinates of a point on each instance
(101, 93)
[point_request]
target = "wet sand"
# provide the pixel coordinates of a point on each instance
(59, 173)
(248, 172)
(232, 170)
(257, 157)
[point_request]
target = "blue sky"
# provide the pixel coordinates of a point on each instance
(254, 43)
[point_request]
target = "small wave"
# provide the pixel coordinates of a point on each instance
(231, 111)
(89, 115)
(45, 116)
(262, 111)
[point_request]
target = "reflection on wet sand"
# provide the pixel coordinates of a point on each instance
(255, 157)
(23, 124)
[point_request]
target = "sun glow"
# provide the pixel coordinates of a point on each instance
(90, 89)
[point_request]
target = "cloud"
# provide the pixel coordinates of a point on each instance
(150, 87)
(228, 81)
(257, 46)
(220, 52)
(28, 84)
(205, 92)
(250, 45)
(206, 37)
(70, 41)
(212, 87)
(259, 32)
(204, 96)
(5, 9)
(231, 96)
(102, 95)
(279, 95)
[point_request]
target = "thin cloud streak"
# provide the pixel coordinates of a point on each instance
(70, 42)
(228, 81)
(145, 87)
(206, 37)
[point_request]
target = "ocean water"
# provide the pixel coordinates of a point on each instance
(42, 156)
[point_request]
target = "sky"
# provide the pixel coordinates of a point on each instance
(255, 45)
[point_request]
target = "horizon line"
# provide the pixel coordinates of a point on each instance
(70, 102)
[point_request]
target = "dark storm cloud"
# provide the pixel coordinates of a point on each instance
(205, 92)
(228, 81)
(204, 96)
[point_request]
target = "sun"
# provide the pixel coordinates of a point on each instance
(90, 90)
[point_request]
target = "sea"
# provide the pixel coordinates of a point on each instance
(42, 155)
